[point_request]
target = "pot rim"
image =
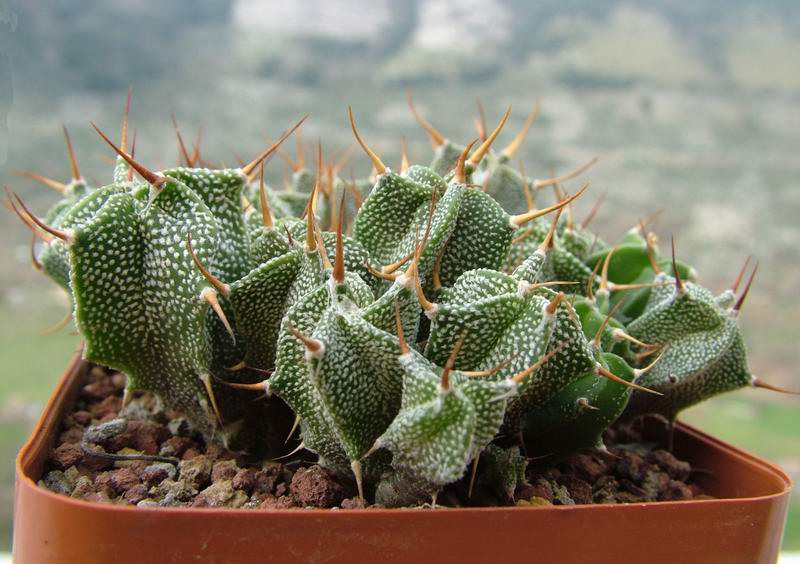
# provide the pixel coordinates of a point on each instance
(51, 417)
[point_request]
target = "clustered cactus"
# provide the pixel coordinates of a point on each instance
(454, 312)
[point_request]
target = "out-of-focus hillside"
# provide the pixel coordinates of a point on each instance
(692, 107)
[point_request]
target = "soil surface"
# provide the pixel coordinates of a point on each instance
(166, 464)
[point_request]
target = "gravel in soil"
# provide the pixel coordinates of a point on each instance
(168, 465)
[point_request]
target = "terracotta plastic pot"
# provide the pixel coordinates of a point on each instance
(744, 525)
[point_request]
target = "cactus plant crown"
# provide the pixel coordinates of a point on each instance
(430, 316)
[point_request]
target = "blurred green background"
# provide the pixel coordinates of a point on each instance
(693, 107)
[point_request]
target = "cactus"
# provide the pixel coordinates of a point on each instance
(454, 311)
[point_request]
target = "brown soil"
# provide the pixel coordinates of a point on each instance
(168, 465)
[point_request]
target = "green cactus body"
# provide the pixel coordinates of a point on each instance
(488, 309)
(703, 350)
(577, 415)
(221, 190)
(443, 423)
(502, 470)
(347, 390)
(481, 237)
(137, 292)
(673, 312)
(579, 242)
(572, 356)
(476, 230)
(389, 222)
(123, 175)
(506, 324)
(563, 265)
(260, 299)
(267, 243)
(303, 182)
(445, 157)
(501, 181)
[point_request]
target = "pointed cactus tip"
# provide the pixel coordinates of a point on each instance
(552, 306)
(196, 158)
(444, 382)
(605, 373)
(187, 158)
(549, 240)
(262, 386)
(521, 219)
(73, 162)
(311, 215)
(650, 241)
(35, 262)
(429, 307)
(297, 449)
(376, 161)
(123, 142)
(403, 154)
(604, 272)
(412, 272)
(300, 149)
(511, 149)
(37, 226)
(152, 178)
(758, 383)
(590, 281)
(564, 177)
(740, 276)
(460, 174)
(481, 151)
(323, 253)
(209, 295)
(293, 165)
(437, 139)
(49, 182)
(680, 288)
(598, 336)
(266, 212)
(338, 268)
(593, 212)
(399, 327)
(313, 346)
(480, 121)
(391, 277)
(639, 372)
(251, 167)
(530, 198)
(740, 302)
(215, 282)
(436, 275)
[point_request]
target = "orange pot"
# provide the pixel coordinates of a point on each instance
(744, 525)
